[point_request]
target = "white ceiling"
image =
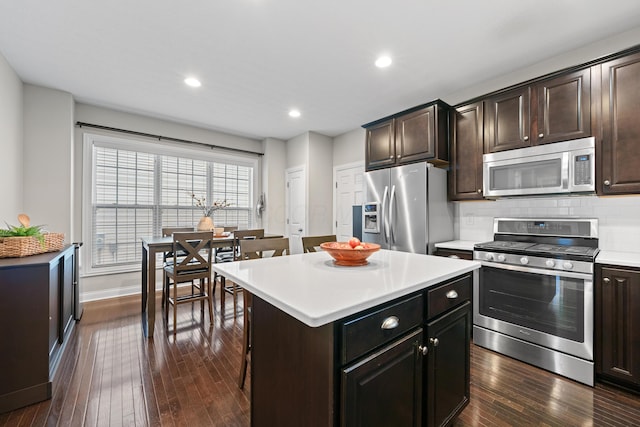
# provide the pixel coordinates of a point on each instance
(259, 58)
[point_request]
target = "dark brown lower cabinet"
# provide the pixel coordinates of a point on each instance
(385, 389)
(447, 374)
(402, 363)
(618, 325)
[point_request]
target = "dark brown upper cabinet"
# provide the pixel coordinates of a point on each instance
(507, 120)
(413, 135)
(465, 176)
(551, 110)
(620, 149)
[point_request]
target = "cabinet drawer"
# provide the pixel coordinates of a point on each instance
(449, 295)
(452, 253)
(362, 334)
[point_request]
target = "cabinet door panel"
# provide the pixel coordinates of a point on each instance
(415, 136)
(448, 372)
(621, 127)
(385, 389)
(620, 323)
(507, 120)
(465, 178)
(564, 108)
(380, 147)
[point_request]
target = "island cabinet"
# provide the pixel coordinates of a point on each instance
(550, 110)
(620, 149)
(467, 139)
(414, 135)
(402, 363)
(617, 309)
(36, 309)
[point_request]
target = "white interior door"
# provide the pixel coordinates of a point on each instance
(349, 191)
(296, 208)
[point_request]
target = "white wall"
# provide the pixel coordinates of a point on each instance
(619, 217)
(568, 59)
(11, 135)
(349, 147)
(297, 151)
(47, 170)
(320, 184)
(273, 182)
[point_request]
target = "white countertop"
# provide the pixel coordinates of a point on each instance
(458, 245)
(627, 259)
(312, 289)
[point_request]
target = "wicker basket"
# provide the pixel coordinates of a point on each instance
(15, 247)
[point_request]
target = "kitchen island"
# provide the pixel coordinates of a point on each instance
(338, 345)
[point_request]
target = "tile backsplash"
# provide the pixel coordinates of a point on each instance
(618, 217)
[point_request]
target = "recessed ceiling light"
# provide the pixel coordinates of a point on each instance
(294, 113)
(383, 61)
(193, 82)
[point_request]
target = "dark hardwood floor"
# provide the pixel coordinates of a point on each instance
(112, 376)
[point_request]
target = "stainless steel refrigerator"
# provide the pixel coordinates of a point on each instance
(406, 208)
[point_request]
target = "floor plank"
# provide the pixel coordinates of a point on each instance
(110, 375)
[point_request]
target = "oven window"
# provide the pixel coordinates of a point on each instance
(550, 304)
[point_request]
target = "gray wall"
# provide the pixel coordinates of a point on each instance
(349, 147)
(48, 169)
(11, 135)
(320, 184)
(273, 182)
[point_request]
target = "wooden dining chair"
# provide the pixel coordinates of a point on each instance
(194, 265)
(253, 249)
(310, 243)
(167, 257)
(231, 287)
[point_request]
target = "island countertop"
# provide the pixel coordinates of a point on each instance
(312, 289)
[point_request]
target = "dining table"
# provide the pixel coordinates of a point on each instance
(151, 246)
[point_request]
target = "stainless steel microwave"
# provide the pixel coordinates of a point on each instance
(558, 168)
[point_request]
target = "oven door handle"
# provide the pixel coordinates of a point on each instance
(561, 273)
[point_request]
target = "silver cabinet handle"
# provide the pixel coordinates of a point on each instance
(607, 182)
(526, 138)
(606, 280)
(398, 156)
(541, 135)
(390, 322)
(391, 157)
(479, 190)
(434, 341)
(454, 257)
(452, 294)
(423, 349)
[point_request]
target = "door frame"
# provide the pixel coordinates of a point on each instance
(287, 202)
(336, 170)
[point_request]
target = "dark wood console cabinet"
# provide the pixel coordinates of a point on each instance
(36, 311)
(354, 372)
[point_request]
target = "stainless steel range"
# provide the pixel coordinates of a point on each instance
(534, 298)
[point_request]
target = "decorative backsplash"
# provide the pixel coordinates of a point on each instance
(619, 217)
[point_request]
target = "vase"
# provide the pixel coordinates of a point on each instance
(205, 224)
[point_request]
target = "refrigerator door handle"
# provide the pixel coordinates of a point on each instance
(385, 227)
(392, 199)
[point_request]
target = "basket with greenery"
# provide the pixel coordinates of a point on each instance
(26, 239)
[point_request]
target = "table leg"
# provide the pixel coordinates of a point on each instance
(151, 297)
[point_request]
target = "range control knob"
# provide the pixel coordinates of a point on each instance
(550, 263)
(567, 265)
(501, 258)
(524, 260)
(488, 257)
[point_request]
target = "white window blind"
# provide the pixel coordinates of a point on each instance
(135, 194)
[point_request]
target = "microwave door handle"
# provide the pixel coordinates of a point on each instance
(392, 199)
(385, 228)
(564, 173)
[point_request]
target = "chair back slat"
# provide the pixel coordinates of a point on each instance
(253, 249)
(168, 231)
(310, 243)
(195, 249)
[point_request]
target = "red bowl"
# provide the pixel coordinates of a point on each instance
(343, 254)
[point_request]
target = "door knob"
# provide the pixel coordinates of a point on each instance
(300, 230)
(607, 182)
(606, 280)
(541, 135)
(526, 138)
(423, 349)
(434, 341)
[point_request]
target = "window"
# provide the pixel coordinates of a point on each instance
(134, 189)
